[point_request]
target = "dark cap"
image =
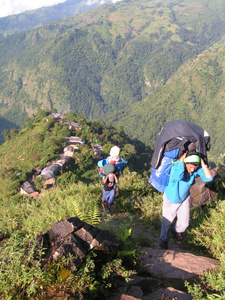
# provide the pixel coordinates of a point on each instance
(109, 168)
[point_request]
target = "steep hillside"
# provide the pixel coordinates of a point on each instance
(42, 140)
(41, 258)
(35, 18)
(195, 93)
(117, 63)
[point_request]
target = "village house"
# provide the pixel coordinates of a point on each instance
(58, 117)
(72, 125)
(68, 151)
(65, 122)
(49, 180)
(64, 161)
(28, 188)
(75, 126)
(49, 174)
(74, 141)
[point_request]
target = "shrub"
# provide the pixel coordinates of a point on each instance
(211, 235)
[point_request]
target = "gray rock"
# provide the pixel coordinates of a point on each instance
(168, 294)
(122, 297)
(202, 192)
(147, 284)
(135, 291)
(105, 241)
(173, 264)
(74, 239)
(87, 233)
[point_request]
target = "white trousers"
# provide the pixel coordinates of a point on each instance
(172, 210)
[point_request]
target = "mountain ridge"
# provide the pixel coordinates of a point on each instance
(31, 19)
(112, 62)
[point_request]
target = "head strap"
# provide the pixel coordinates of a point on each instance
(192, 159)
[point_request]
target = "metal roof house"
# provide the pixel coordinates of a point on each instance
(75, 126)
(74, 141)
(28, 188)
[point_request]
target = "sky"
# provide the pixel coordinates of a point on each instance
(12, 7)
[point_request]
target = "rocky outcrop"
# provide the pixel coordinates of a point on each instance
(165, 272)
(202, 192)
(161, 273)
(176, 264)
(74, 239)
(161, 294)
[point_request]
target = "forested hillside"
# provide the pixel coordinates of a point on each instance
(130, 64)
(35, 18)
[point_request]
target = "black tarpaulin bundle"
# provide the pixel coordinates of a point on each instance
(179, 134)
(174, 139)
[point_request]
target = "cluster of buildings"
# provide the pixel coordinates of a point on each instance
(72, 125)
(49, 174)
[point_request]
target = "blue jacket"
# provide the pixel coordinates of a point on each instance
(179, 185)
(119, 165)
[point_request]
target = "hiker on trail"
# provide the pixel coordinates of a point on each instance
(110, 169)
(116, 160)
(176, 197)
(113, 159)
(108, 193)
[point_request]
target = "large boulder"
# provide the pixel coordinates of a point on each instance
(74, 239)
(202, 192)
(176, 265)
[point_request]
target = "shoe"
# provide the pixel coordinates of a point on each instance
(109, 205)
(163, 245)
(178, 236)
(103, 201)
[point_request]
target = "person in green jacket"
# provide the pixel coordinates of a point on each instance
(176, 197)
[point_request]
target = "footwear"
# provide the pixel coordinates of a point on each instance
(109, 205)
(178, 236)
(103, 201)
(163, 245)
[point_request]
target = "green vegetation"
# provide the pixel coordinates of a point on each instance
(42, 141)
(209, 235)
(129, 64)
(78, 193)
(29, 20)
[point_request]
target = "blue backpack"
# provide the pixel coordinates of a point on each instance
(119, 166)
(160, 177)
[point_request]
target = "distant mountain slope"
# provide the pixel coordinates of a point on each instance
(123, 63)
(195, 93)
(35, 18)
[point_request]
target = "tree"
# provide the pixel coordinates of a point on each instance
(128, 151)
(13, 132)
(106, 148)
(86, 158)
(6, 135)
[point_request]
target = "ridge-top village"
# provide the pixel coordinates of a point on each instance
(49, 174)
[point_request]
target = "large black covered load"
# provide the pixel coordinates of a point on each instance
(179, 134)
(175, 138)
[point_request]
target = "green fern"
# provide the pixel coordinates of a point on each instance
(77, 210)
(87, 210)
(94, 214)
